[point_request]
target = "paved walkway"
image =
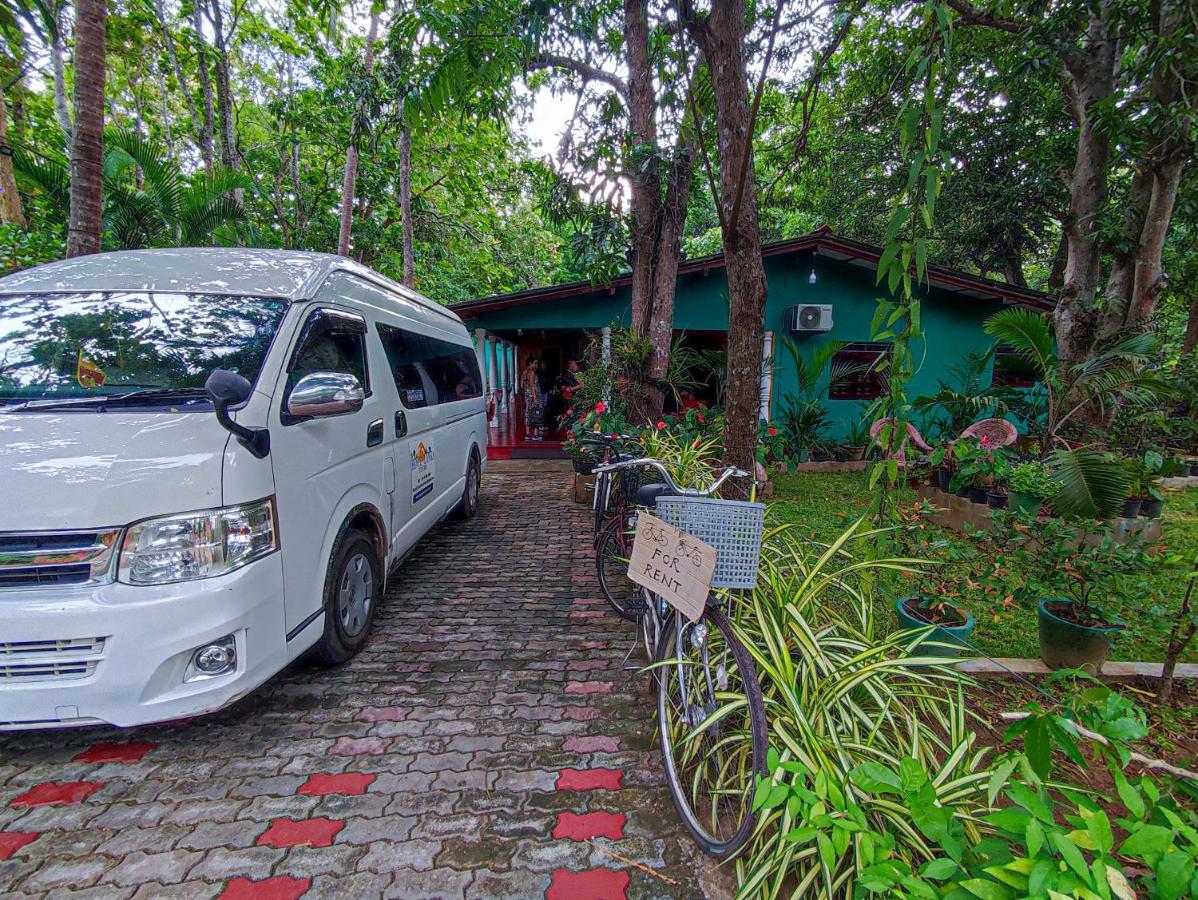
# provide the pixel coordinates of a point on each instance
(485, 744)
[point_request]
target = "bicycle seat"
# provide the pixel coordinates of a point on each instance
(647, 494)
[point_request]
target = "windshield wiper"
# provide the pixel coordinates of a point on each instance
(149, 393)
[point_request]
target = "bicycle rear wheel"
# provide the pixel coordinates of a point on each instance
(712, 730)
(612, 551)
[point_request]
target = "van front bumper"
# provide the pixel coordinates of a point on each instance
(119, 654)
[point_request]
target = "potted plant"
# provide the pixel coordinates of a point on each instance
(1029, 486)
(856, 440)
(1136, 478)
(940, 460)
(933, 600)
(1077, 566)
(1156, 468)
(997, 492)
(967, 479)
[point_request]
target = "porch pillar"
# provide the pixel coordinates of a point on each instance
(504, 376)
(496, 380)
(767, 374)
(605, 332)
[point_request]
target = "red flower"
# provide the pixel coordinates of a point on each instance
(570, 411)
(615, 437)
(601, 407)
(661, 426)
(700, 417)
(773, 431)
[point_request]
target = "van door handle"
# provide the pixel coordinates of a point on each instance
(401, 424)
(374, 433)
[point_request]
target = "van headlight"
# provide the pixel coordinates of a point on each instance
(197, 545)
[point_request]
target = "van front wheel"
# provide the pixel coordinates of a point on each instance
(352, 588)
(468, 506)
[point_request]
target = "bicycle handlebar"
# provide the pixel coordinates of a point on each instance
(646, 462)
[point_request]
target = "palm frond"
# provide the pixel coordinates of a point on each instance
(47, 172)
(1089, 483)
(1028, 333)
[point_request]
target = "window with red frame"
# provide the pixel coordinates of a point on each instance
(866, 382)
(1012, 370)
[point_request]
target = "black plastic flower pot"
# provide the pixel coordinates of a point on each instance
(944, 477)
(584, 466)
(977, 494)
(996, 501)
(962, 492)
(1131, 508)
(1065, 644)
(1192, 469)
(943, 640)
(1151, 507)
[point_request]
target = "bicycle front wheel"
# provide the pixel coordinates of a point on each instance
(712, 730)
(612, 551)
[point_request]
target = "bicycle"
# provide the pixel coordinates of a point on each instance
(711, 715)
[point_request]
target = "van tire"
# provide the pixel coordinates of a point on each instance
(467, 507)
(353, 588)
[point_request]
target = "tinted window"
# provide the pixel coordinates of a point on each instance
(57, 346)
(427, 370)
(1012, 370)
(858, 371)
(330, 344)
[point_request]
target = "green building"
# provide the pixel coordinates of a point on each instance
(821, 287)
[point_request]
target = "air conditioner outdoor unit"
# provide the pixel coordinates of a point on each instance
(810, 318)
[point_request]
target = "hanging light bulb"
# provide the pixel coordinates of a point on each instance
(811, 278)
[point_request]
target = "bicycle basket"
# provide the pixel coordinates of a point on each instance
(733, 527)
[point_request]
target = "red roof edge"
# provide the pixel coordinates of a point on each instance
(821, 239)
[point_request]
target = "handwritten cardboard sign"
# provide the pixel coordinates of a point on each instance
(672, 564)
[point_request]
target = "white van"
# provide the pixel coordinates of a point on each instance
(209, 461)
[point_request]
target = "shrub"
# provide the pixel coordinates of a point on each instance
(1031, 478)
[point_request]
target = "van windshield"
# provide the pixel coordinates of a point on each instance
(127, 346)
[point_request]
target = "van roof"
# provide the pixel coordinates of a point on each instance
(289, 274)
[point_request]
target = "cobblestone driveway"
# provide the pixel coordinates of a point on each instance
(485, 744)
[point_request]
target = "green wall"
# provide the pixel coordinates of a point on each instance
(953, 323)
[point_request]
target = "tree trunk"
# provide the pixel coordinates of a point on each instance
(1180, 635)
(1093, 83)
(721, 38)
(58, 67)
(169, 43)
(87, 142)
(229, 155)
(665, 274)
(350, 179)
(207, 126)
(645, 182)
(405, 207)
(1190, 341)
(10, 197)
(1056, 276)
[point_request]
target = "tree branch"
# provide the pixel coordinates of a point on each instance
(971, 15)
(585, 70)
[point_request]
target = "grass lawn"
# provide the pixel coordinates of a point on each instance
(822, 505)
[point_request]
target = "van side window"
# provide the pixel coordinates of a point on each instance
(427, 370)
(331, 342)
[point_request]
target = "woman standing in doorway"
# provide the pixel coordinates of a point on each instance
(534, 409)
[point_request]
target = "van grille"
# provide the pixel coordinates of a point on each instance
(50, 660)
(50, 558)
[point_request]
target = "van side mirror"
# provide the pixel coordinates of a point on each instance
(322, 394)
(225, 388)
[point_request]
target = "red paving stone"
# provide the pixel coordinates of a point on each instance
(589, 780)
(594, 645)
(350, 783)
(600, 744)
(588, 687)
(130, 752)
(12, 841)
(586, 665)
(594, 884)
(368, 746)
(53, 793)
(281, 887)
(384, 714)
(588, 614)
(318, 832)
(574, 827)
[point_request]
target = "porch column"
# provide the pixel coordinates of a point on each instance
(496, 380)
(504, 375)
(767, 374)
(605, 332)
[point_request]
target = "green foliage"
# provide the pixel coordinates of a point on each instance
(1032, 479)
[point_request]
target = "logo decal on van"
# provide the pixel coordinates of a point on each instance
(423, 470)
